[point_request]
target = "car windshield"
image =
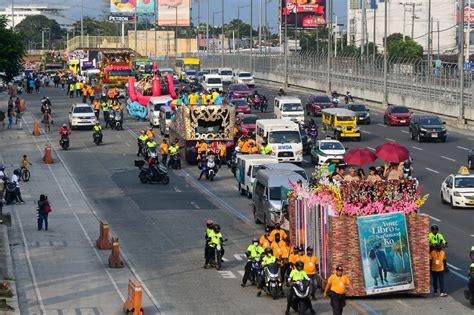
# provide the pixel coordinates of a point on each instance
(82, 110)
(244, 75)
(190, 72)
(357, 108)
(120, 73)
(321, 99)
(331, 146)
(275, 193)
(431, 121)
(464, 182)
(239, 88)
(249, 120)
(400, 110)
(226, 72)
(205, 71)
(214, 81)
(239, 102)
(292, 107)
(257, 168)
(302, 173)
(292, 136)
(345, 118)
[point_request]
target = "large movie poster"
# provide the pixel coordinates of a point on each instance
(174, 12)
(385, 253)
(305, 13)
(128, 6)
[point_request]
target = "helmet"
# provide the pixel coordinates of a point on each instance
(309, 249)
(434, 227)
(268, 251)
(217, 228)
(299, 265)
(237, 149)
(64, 126)
(255, 239)
(142, 131)
(209, 223)
(97, 123)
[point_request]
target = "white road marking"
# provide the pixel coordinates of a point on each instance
(471, 139)
(239, 257)
(382, 125)
(454, 267)
(404, 131)
(449, 159)
(241, 272)
(459, 275)
(370, 148)
(472, 235)
(227, 274)
(177, 189)
(463, 148)
(375, 114)
(127, 144)
(369, 133)
(403, 303)
(388, 139)
(195, 205)
(306, 161)
(224, 259)
(433, 218)
(417, 148)
(431, 170)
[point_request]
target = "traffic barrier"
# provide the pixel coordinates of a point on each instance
(114, 259)
(36, 131)
(47, 158)
(103, 242)
(133, 303)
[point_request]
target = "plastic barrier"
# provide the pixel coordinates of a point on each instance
(114, 259)
(133, 303)
(47, 158)
(103, 242)
(135, 109)
(169, 77)
(156, 87)
(131, 89)
(36, 128)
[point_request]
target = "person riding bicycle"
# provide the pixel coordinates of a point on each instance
(25, 163)
(297, 274)
(216, 238)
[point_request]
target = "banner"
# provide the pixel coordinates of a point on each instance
(128, 6)
(174, 12)
(305, 13)
(385, 253)
(122, 18)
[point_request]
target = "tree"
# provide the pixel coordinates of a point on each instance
(408, 49)
(13, 50)
(31, 27)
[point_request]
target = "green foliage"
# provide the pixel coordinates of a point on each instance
(13, 50)
(31, 26)
(406, 49)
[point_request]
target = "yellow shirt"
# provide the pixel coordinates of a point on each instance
(275, 231)
(279, 249)
(437, 260)
(310, 264)
(338, 284)
(193, 98)
(214, 96)
(164, 148)
(25, 163)
(264, 241)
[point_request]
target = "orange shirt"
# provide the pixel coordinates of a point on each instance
(279, 249)
(275, 231)
(223, 150)
(338, 284)
(295, 257)
(310, 264)
(164, 148)
(97, 106)
(202, 147)
(150, 133)
(437, 260)
(265, 241)
(246, 147)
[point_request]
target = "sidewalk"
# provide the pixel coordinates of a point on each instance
(58, 271)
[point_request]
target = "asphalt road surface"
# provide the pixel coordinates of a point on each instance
(161, 228)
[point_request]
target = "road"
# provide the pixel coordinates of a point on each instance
(161, 227)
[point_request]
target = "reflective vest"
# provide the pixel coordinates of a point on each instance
(266, 150)
(151, 144)
(97, 128)
(267, 260)
(298, 275)
(173, 150)
(215, 239)
(105, 107)
(436, 239)
(142, 138)
(255, 251)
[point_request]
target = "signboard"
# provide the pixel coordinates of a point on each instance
(122, 18)
(128, 6)
(469, 15)
(304, 13)
(468, 66)
(174, 12)
(385, 253)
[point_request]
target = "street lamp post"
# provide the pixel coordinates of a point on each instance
(223, 35)
(13, 14)
(462, 4)
(82, 23)
(385, 54)
(251, 35)
(176, 31)
(329, 45)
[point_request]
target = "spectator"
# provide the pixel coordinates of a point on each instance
(437, 263)
(392, 172)
(361, 174)
(373, 176)
(338, 175)
(15, 179)
(10, 115)
(352, 176)
(44, 208)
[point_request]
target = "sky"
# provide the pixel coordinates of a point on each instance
(99, 8)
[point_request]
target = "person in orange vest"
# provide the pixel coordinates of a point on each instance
(285, 259)
(97, 107)
(246, 148)
(222, 154)
(201, 148)
(295, 256)
(278, 246)
(311, 268)
(278, 230)
(150, 133)
(84, 92)
(253, 147)
(265, 238)
(164, 152)
(91, 93)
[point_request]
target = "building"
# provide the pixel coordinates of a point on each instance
(409, 17)
(21, 11)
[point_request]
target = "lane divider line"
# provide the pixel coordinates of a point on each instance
(454, 267)
(404, 131)
(447, 158)
(364, 131)
(454, 272)
(431, 170)
(433, 218)
(417, 148)
(463, 148)
(382, 125)
(390, 139)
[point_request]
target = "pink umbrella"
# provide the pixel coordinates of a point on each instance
(392, 152)
(359, 157)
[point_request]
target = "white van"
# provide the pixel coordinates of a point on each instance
(289, 107)
(212, 82)
(154, 106)
(165, 120)
(286, 166)
(246, 169)
(284, 139)
(227, 75)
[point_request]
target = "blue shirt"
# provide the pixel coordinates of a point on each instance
(219, 100)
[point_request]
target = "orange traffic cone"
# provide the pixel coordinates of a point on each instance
(47, 158)
(36, 131)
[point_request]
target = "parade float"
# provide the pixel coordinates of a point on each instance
(115, 69)
(209, 123)
(373, 229)
(53, 61)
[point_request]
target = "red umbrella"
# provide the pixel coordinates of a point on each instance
(359, 157)
(392, 152)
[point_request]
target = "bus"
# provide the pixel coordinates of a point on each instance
(184, 64)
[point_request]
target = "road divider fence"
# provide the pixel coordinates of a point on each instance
(103, 242)
(133, 303)
(115, 261)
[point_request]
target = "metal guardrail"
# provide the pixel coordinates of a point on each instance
(97, 42)
(405, 77)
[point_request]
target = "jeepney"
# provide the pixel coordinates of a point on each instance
(341, 123)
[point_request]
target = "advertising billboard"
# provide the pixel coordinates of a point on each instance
(120, 7)
(174, 12)
(304, 13)
(385, 253)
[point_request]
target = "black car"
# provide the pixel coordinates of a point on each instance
(362, 112)
(427, 127)
(470, 159)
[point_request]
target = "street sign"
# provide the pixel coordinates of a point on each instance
(468, 66)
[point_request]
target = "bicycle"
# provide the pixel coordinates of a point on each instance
(24, 174)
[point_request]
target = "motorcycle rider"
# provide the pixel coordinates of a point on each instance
(209, 156)
(150, 145)
(215, 239)
(436, 238)
(470, 286)
(297, 274)
(207, 236)
(281, 92)
(64, 132)
(97, 128)
(253, 251)
(141, 141)
(348, 98)
(266, 149)
(268, 259)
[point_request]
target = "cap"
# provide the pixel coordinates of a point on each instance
(339, 268)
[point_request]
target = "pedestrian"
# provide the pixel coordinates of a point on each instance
(19, 114)
(311, 268)
(37, 85)
(72, 87)
(63, 82)
(337, 286)
(77, 88)
(97, 109)
(10, 101)
(437, 264)
(222, 154)
(10, 115)
(164, 147)
(44, 208)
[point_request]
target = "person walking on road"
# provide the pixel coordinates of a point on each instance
(72, 87)
(77, 88)
(337, 286)
(44, 208)
(437, 266)
(10, 115)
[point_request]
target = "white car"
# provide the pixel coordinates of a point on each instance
(226, 74)
(458, 190)
(244, 77)
(81, 115)
(327, 151)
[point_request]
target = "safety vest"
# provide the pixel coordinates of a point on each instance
(78, 85)
(105, 107)
(142, 138)
(151, 144)
(267, 260)
(215, 239)
(173, 150)
(255, 251)
(266, 150)
(209, 233)
(298, 275)
(97, 128)
(436, 239)
(72, 86)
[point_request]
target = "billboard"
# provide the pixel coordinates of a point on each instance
(385, 253)
(174, 12)
(118, 7)
(306, 13)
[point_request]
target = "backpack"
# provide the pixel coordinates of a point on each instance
(46, 207)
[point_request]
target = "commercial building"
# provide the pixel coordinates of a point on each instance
(21, 11)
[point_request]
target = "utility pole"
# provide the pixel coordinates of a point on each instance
(82, 23)
(135, 30)
(207, 29)
(13, 14)
(285, 52)
(412, 20)
(363, 30)
(404, 20)
(437, 27)
(296, 26)
(176, 31)
(385, 53)
(468, 34)
(223, 36)
(430, 41)
(266, 24)
(374, 48)
(260, 28)
(329, 46)
(251, 35)
(462, 4)
(155, 30)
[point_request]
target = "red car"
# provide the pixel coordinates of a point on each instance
(247, 122)
(396, 115)
(239, 90)
(241, 106)
(316, 103)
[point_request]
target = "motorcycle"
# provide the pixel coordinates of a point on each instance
(469, 293)
(301, 302)
(10, 192)
(272, 280)
(64, 142)
(256, 102)
(312, 132)
(216, 260)
(281, 92)
(117, 121)
(211, 170)
(97, 137)
(148, 175)
(334, 98)
(264, 105)
(232, 162)
(175, 161)
(256, 271)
